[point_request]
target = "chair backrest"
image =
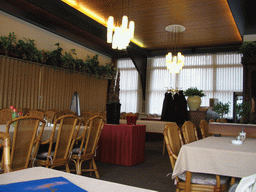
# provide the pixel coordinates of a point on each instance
(204, 128)
(189, 132)
(51, 116)
(68, 112)
(6, 152)
(173, 140)
(5, 115)
(211, 120)
(36, 113)
(68, 127)
(25, 111)
(85, 116)
(25, 141)
(91, 135)
(221, 120)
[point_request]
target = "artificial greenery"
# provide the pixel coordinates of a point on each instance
(26, 49)
(248, 48)
(243, 111)
(8, 43)
(221, 108)
(193, 91)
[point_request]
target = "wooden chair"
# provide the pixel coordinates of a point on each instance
(51, 116)
(36, 113)
(25, 141)
(199, 182)
(211, 120)
(5, 115)
(89, 141)
(122, 115)
(66, 128)
(57, 113)
(174, 128)
(85, 116)
(204, 128)
(68, 112)
(189, 132)
(6, 157)
(221, 120)
(25, 111)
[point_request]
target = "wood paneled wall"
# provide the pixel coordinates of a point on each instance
(31, 85)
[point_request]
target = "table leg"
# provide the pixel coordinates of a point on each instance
(188, 181)
(233, 179)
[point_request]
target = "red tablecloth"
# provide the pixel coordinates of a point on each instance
(122, 144)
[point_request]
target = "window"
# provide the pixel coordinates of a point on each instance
(218, 75)
(129, 90)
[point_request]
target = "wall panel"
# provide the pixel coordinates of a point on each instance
(31, 85)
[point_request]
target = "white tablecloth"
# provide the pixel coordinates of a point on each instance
(89, 184)
(151, 126)
(46, 134)
(217, 155)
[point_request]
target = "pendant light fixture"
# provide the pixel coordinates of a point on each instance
(122, 35)
(174, 59)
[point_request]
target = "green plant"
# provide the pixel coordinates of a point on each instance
(8, 43)
(27, 50)
(243, 110)
(193, 91)
(54, 58)
(248, 48)
(221, 108)
(68, 60)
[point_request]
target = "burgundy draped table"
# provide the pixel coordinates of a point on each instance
(122, 144)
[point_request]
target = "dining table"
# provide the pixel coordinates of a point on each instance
(218, 156)
(46, 133)
(83, 182)
(151, 126)
(122, 144)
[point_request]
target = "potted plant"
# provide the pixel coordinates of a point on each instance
(194, 98)
(248, 48)
(113, 103)
(221, 109)
(243, 111)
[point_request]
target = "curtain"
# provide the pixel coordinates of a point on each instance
(218, 75)
(129, 89)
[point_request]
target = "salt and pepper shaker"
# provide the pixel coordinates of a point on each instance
(242, 135)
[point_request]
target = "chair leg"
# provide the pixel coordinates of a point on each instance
(163, 147)
(95, 169)
(79, 167)
(67, 168)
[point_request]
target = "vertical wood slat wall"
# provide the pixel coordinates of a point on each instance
(34, 86)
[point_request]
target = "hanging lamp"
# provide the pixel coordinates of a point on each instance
(174, 59)
(120, 37)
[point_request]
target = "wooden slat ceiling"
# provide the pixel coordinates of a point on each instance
(208, 22)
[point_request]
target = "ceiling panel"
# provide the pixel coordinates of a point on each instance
(207, 22)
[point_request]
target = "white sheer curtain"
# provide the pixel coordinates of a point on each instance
(129, 90)
(218, 75)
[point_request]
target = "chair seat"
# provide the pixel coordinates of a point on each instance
(204, 179)
(76, 150)
(44, 155)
